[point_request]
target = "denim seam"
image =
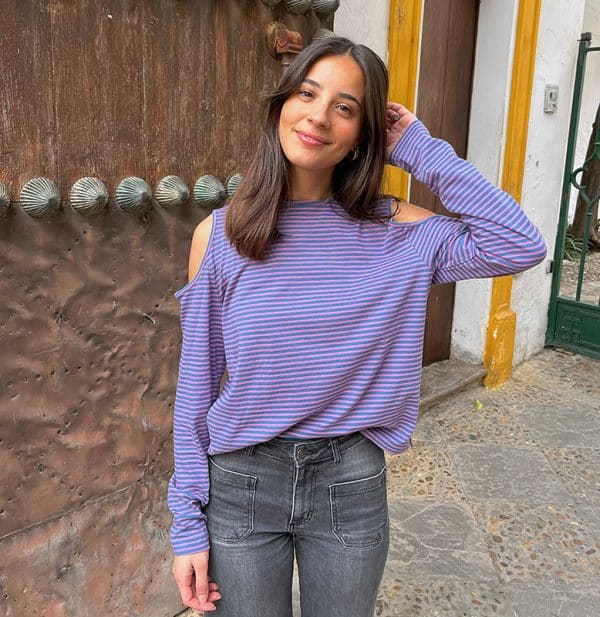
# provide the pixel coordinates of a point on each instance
(334, 526)
(251, 492)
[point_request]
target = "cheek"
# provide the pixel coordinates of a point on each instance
(286, 119)
(289, 113)
(350, 134)
(283, 123)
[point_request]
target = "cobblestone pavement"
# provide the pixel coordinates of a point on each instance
(495, 511)
(590, 291)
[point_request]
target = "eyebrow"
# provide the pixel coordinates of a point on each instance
(344, 95)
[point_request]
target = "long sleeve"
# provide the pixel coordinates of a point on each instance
(201, 366)
(493, 236)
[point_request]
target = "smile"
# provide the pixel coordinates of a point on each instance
(310, 140)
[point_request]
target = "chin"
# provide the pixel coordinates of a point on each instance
(312, 163)
(316, 168)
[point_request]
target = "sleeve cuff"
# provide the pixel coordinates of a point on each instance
(190, 541)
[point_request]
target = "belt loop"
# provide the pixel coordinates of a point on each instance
(250, 450)
(335, 449)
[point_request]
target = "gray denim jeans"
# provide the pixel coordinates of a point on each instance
(323, 500)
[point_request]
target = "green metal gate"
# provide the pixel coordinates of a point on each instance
(574, 312)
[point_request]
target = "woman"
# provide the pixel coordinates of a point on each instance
(311, 287)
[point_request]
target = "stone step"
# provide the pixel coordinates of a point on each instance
(444, 378)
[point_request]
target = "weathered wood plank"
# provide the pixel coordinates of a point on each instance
(98, 77)
(180, 80)
(27, 126)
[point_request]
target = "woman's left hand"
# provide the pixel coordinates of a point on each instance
(398, 119)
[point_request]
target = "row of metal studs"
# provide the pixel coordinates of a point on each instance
(89, 195)
(323, 8)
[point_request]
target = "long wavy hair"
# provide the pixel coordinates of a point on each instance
(251, 220)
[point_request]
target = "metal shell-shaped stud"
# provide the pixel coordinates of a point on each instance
(40, 196)
(209, 192)
(298, 7)
(325, 8)
(88, 196)
(171, 191)
(233, 183)
(322, 33)
(134, 195)
(271, 2)
(4, 199)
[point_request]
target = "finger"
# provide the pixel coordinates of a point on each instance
(390, 121)
(184, 585)
(397, 107)
(213, 586)
(202, 601)
(191, 576)
(200, 585)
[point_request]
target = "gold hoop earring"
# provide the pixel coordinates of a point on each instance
(353, 155)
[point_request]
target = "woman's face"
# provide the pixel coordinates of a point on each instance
(321, 121)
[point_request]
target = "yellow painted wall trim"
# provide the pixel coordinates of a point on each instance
(404, 44)
(500, 340)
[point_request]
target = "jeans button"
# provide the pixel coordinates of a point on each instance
(301, 454)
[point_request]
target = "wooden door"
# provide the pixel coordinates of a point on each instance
(89, 327)
(443, 103)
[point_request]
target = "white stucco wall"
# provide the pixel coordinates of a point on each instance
(365, 22)
(559, 30)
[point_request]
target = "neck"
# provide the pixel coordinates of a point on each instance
(307, 185)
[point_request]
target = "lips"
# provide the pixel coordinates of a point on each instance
(309, 139)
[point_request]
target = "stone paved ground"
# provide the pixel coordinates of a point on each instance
(495, 511)
(590, 291)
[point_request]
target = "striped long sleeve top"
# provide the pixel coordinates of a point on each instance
(325, 336)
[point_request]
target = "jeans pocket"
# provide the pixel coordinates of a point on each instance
(359, 513)
(230, 508)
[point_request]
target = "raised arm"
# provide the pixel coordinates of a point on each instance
(493, 236)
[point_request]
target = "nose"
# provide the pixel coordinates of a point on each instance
(319, 116)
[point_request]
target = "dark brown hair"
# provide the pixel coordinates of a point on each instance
(251, 219)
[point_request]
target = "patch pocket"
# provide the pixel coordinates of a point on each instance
(359, 512)
(230, 508)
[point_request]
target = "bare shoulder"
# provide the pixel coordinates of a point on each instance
(409, 213)
(199, 243)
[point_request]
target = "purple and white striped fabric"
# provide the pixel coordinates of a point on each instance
(325, 336)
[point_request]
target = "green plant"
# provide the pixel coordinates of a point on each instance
(573, 247)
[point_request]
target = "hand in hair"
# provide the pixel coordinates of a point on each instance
(398, 119)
